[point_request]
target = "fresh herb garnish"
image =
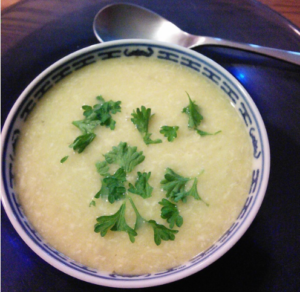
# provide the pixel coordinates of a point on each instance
(139, 220)
(82, 141)
(92, 203)
(169, 132)
(102, 168)
(203, 133)
(175, 186)
(113, 186)
(192, 110)
(161, 232)
(64, 159)
(141, 187)
(125, 156)
(195, 118)
(141, 118)
(99, 114)
(115, 222)
(194, 192)
(170, 212)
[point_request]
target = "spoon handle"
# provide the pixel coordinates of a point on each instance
(288, 56)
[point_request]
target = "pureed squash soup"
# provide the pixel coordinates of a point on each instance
(187, 191)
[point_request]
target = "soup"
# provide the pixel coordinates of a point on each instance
(59, 198)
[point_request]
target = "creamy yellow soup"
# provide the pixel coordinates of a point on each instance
(56, 196)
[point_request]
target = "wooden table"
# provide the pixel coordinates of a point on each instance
(290, 9)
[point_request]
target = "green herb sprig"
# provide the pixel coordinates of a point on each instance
(142, 186)
(161, 232)
(169, 132)
(98, 115)
(115, 222)
(113, 186)
(170, 212)
(195, 118)
(141, 118)
(114, 189)
(175, 186)
(125, 156)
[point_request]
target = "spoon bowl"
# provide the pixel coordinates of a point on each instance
(127, 21)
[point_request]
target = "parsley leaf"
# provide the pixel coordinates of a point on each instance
(86, 126)
(99, 114)
(141, 118)
(113, 186)
(142, 187)
(161, 232)
(64, 159)
(127, 157)
(192, 110)
(175, 184)
(195, 118)
(92, 203)
(203, 133)
(170, 212)
(81, 142)
(148, 140)
(194, 192)
(169, 132)
(115, 222)
(102, 168)
(139, 221)
(104, 110)
(184, 194)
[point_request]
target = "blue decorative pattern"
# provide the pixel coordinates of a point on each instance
(167, 55)
(139, 53)
(197, 64)
(190, 63)
(211, 75)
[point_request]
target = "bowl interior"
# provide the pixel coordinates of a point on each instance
(127, 49)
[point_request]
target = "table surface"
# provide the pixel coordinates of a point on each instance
(36, 33)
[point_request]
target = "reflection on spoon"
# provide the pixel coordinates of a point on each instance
(127, 21)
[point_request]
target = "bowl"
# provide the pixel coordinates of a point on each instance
(234, 91)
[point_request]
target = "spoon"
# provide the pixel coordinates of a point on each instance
(126, 21)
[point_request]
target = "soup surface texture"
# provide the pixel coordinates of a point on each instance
(56, 196)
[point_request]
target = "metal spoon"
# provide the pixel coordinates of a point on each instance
(125, 21)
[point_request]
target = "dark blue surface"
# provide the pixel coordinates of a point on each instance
(37, 33)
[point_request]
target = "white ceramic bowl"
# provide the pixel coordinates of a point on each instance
(124, 49)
